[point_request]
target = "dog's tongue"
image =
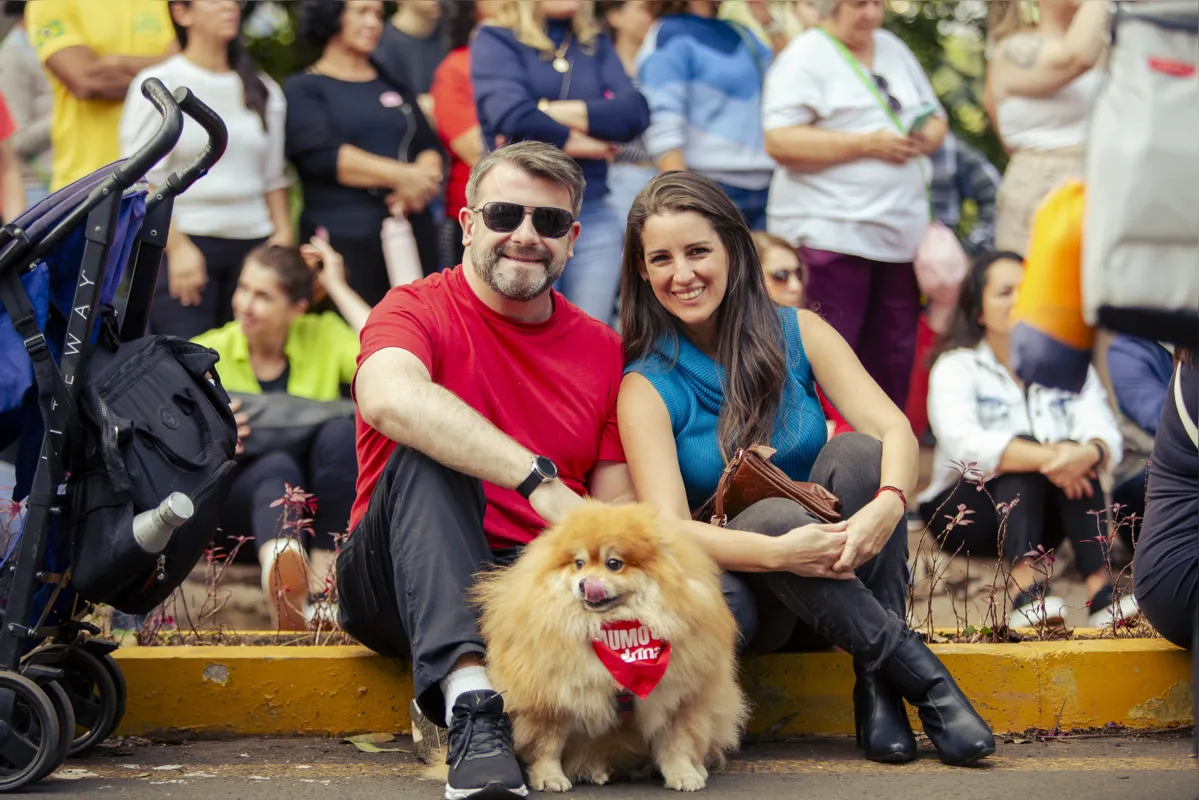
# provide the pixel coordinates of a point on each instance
(594, 591)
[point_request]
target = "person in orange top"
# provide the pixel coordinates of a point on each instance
(12, 189)
(456, 121)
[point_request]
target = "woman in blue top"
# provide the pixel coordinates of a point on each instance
(543, 71)
(715, 366)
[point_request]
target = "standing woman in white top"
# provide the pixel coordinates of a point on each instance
(242, 201)
(1041, 85)
(851, 187)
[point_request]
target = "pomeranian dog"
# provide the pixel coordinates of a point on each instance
(613, 608)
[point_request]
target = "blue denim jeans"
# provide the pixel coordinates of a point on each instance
(592, 277)
(752, 203)
(625, 182)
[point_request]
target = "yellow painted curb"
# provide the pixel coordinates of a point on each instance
(282, 690)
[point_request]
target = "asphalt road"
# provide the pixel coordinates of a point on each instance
(1106, 767)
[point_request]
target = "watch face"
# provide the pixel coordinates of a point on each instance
(547, 468)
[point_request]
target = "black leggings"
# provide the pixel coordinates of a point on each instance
(222, 259)
(329, 472)
(1042, 515)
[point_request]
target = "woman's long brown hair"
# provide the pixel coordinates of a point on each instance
(749, 334)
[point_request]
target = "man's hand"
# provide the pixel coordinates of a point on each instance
(187, 274)
(869, 530)
(553, 500)
(811, 550)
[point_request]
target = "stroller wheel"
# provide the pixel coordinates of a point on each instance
(66, 725)
(118, 679)
(93, 694)
(29, 732)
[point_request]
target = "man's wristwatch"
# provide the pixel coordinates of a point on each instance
(542, 471)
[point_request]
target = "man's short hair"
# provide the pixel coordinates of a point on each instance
(537, 160)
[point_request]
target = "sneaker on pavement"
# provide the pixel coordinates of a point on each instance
(1032, 612)
(1105, 609)
(482, 764)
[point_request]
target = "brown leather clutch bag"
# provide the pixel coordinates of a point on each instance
(750, 477)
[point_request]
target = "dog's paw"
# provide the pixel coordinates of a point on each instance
(549, 782)
(599, 776)
(685, 779)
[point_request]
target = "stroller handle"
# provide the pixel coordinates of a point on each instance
(161, 143)
(218, 139)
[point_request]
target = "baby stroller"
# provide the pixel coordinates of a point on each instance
(63, 278)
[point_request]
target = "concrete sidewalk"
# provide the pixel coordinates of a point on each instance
(1105, 767)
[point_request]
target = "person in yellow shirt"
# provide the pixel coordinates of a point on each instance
(276, 346)
(92, 50)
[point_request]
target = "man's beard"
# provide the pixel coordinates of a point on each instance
(515, 283)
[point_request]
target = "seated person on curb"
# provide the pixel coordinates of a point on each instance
(1165, 571)
(274, 346)
(715, 366)
(1041, 446)
(486, 407)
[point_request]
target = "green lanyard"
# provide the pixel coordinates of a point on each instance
(872, 87)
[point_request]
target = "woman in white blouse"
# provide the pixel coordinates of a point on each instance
(850, 117)
(1041, 85)
(1036, 451)
(242, 201)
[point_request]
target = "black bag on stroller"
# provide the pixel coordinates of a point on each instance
(153, 424)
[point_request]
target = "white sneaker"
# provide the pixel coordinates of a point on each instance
(1052, 611)
(285, 583)
(1126, 609)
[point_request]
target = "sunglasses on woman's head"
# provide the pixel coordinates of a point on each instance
(552, 223)
(783, 275)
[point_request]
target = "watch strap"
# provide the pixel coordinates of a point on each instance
(529, 484)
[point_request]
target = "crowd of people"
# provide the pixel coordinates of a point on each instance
(709, 180)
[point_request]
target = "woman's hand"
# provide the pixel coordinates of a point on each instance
(571, 113)
(243, 424)
(187, 274)
(325, 262)
(281, 238)
(417, 187)
(1072, 468)
(811, 550)
(890, 147)
(869, 530)
(580, 145)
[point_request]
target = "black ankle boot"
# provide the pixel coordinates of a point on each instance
(955, 728)
(881, 722)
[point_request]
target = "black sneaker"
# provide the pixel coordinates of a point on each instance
(482, 764)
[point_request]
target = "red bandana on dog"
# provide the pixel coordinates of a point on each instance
(636, 660)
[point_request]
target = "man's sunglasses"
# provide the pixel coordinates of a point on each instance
(552, 223)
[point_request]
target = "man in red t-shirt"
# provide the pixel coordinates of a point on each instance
(486, 406)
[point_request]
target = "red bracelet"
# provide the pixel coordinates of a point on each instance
(897, 491)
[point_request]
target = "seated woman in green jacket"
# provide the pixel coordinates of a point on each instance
(276, 345)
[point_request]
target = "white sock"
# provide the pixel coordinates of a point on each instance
(463, 679)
